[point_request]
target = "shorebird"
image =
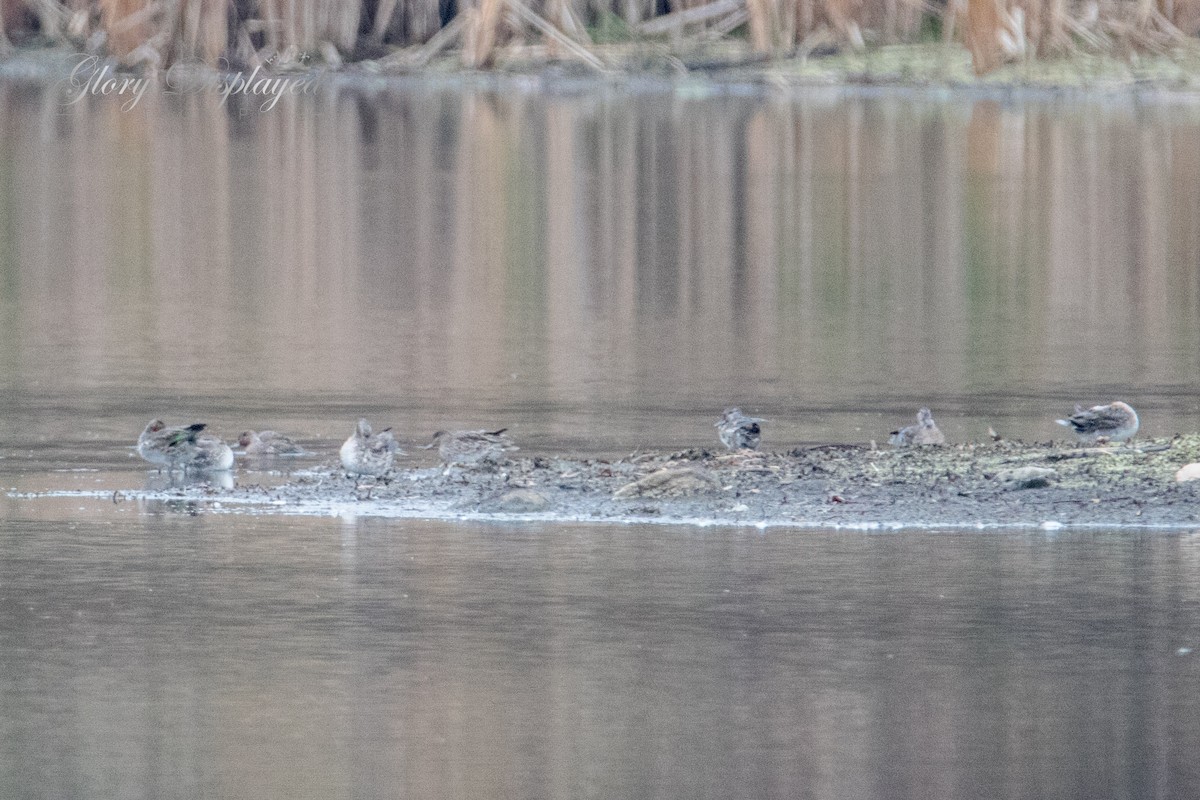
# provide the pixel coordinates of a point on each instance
(923, 433)
(268, 443)
(1114, 422)
(737, 431)
(369, 454)
(469, 448)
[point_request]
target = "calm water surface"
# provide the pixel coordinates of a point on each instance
(599, 270)
(146, 652)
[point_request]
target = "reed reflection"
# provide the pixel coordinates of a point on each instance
(574, 253)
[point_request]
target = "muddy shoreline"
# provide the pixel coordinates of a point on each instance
(985, 485)
(727, 67)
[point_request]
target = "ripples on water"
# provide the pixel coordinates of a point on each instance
(599, 271)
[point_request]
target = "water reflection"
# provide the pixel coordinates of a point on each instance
(601, 266)
(163, 481)
(320, 658)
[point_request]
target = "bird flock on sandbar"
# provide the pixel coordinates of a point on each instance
(370, 454)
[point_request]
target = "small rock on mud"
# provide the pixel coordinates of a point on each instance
(522, 501)
(1025, 477)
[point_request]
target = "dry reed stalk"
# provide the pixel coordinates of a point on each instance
(1186, 16)
(1124, 30)
(286, 23)
(555, 12)
(298, 24)
(19, 15)
(1052, 37)
(805, 19)
(143, 17)
(7, 9)
(764, 25)
(295, 28)
(420, 56)
(993, 30)
(470, 36)
(843, 16)
(1014, 43)
(572, 25)
(122, 22)
(338, 22)
(271, 27)
(208, 30)
(1169, 27)
(243, 48)
(383, 20)
(483, 26)
(1050, 32)
(821, 36)
(1035, 15)
(727, 25)
(911, 15)
(79, 23)
(1145, 9)
(786, 36)
(422, 19)
(982, 34)
(954, 11)
(525, 16)
(52, 16)
(690, 16)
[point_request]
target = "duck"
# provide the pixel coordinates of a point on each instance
(203, 453)
(184, 447)
(154, 443)
(1114, 422)
(469, 448)
(268, 443)
(925, 432)
(739, 432)
(368, 454)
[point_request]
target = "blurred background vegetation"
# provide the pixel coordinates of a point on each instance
(408, 33)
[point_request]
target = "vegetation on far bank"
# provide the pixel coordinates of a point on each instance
(1022, 40)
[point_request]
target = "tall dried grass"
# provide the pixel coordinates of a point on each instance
(284, 32)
